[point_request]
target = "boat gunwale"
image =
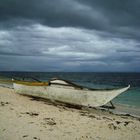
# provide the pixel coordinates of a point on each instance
(82, 87)
(28, 83)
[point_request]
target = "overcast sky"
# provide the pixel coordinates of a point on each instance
(70, 35)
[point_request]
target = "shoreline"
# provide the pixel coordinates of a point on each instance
(26, 118)
(126, 109)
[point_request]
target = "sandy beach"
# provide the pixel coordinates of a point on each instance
(26, 118)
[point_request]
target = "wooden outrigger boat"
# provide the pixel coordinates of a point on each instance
(67, 92)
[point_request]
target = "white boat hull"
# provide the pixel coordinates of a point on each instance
(69, 94)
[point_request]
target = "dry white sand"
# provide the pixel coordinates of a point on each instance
(22, 118)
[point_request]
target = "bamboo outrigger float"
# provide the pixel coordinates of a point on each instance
(67, 92)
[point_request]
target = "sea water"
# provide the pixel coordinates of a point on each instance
(129, 99)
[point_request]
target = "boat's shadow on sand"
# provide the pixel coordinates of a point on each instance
(54, 103)
(104, 109)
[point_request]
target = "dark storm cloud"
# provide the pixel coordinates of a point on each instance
(70, 35)
(120, 12)
(120, 17)
(53, 13)
(123, 16)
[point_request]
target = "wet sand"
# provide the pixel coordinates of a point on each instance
(26, 118)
